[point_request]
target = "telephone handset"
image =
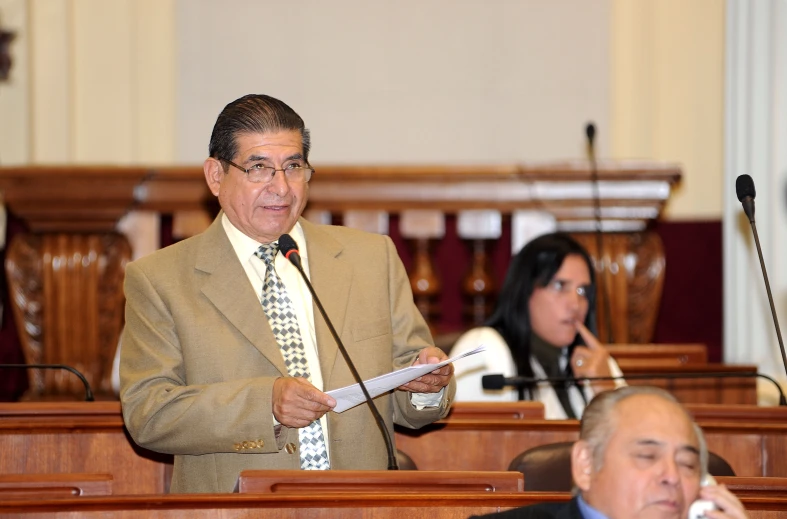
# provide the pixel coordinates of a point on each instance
(699, 507)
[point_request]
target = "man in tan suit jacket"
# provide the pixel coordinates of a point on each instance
(202, 375)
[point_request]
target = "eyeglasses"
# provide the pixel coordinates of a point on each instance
(262, 174)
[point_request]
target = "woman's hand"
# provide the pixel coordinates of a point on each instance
(591, 360)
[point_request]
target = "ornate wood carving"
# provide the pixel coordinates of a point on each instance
(632, 272)
(67, 296)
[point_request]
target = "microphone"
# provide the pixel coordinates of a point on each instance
(590, 132)
(744, 188)
(498, 381)
(289, 248)
(88, 391)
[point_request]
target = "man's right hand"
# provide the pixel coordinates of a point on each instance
(297, 403)
(731, 506)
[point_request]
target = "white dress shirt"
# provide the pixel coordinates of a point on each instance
(497, 359)
(246, 247)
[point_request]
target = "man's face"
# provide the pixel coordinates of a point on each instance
(651, 465)
(261, 211)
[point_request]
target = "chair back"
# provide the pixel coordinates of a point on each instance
(547, 468)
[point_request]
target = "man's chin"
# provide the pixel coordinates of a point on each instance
(666, 509)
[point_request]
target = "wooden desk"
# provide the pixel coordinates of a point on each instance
(465, 444)
(78, 437)
(709, 390)
(377, 481)
(755, 487)
(320, 506)
(527, 410)
(643, 355)
(735, 414)
(42, 486)
(89, 437)
(501, 410)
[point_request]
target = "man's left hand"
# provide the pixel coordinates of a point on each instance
(434, 381)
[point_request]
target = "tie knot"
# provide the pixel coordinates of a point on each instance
(267, 252)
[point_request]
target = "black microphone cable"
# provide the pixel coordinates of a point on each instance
(88, 391)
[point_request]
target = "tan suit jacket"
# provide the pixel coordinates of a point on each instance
(198, 358)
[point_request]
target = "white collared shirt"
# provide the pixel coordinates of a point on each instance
(245, 248)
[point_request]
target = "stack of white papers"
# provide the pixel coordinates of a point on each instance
(351, 396)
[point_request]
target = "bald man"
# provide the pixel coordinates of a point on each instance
(639, 455)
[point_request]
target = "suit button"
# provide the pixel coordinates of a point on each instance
(237, 447)
(290, 448)
(260, 444)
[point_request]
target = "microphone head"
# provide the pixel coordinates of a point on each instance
(590, 131)
(493, 381)
(744, 187)
(287, 244)
(289, 248)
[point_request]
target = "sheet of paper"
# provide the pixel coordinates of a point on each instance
(350, 396)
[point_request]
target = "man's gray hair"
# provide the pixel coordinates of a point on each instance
(599, 421)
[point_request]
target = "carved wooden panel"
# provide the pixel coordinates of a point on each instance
(630, 275)
(67, 297)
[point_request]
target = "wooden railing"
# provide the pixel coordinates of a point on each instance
(65, 274)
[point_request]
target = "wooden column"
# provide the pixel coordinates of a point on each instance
(65, 276)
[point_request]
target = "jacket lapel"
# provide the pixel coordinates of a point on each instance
(331, 276)
(228, 288)
(570, 510)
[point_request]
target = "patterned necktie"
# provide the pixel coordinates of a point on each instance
(284, 323)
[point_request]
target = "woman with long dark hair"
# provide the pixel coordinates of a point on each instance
(543, 326)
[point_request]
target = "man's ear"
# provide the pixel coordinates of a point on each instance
(214, 174)
(581, 464)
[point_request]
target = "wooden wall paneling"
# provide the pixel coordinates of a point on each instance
(774, 454)
(744, 452)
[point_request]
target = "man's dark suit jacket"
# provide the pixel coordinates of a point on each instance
(568, 510)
